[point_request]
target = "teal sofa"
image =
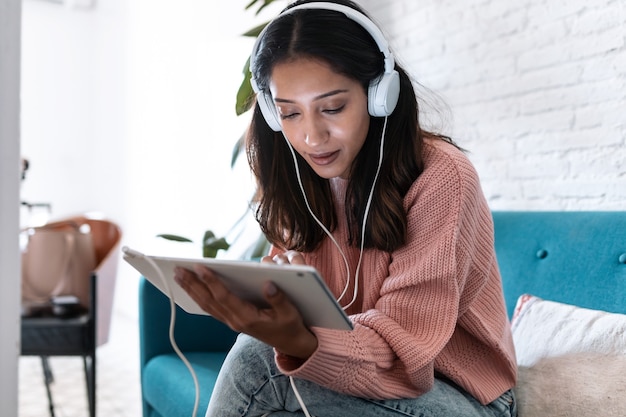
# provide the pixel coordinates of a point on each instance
(570, 257)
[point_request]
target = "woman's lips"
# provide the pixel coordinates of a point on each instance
(324, 158)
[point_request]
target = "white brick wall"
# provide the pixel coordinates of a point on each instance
(534, 89)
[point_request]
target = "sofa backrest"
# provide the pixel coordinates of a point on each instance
(571, 257)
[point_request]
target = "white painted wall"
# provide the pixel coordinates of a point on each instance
(536, 90)
(128, 109)
(9, 198)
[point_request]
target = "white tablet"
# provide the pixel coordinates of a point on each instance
(302, 284)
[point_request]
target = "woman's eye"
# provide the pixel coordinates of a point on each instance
(285, 113)
(285, 116)
(334, 110)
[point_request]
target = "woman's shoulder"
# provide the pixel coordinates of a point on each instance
(441, 155)
(448, 174)
(435, 147)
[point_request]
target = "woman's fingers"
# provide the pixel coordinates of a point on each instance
(205, 289)
(280, 324)
(295, 258)
(280, 259)
(267, 259)
(289, 257)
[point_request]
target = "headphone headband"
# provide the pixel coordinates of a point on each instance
(383, 92)
(350, 13)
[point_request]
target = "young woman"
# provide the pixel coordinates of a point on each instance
(392, 216)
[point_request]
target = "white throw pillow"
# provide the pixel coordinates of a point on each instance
(572, 360)
(544, 328)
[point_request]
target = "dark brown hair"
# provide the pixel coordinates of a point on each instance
(281, 210)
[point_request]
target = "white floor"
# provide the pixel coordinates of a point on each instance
(118, 392)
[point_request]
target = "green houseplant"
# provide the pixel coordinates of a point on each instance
(245, 95)
(212, 244)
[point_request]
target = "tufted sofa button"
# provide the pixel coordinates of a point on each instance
(542, 253)
(622, 258)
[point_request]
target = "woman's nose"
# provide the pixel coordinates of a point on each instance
(315, 134)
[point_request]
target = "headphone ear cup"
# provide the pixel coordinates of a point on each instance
(382, 94)
(268, 109)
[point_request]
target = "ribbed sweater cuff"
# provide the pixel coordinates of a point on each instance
(325, 365)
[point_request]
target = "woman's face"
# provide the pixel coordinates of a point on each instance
(323, 114)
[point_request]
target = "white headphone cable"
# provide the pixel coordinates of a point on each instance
(171, 332)
(298, 397)
(358, 268)
(182, 356)
(318, 221)
(366, 213)
(363, 226)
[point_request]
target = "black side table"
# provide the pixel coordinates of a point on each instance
(47, 336)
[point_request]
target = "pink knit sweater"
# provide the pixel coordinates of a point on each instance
(434, 306)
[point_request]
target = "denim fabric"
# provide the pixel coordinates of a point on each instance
(250, 385)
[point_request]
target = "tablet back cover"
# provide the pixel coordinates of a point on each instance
(302, 284)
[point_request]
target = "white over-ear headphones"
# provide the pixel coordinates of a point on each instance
(383, 91)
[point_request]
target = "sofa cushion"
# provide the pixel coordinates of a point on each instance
(543, 328)
(166, 377)
(572, 360)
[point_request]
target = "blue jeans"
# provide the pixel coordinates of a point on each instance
(250, 385)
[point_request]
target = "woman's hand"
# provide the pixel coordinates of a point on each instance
(289, 257)
(280, 325)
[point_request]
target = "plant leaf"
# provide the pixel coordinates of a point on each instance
(264, 5)
(245, 94)
(261, 7)
(175, 238)
(211, 244)
(255, 31)
(237, 150)
(250, 4)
